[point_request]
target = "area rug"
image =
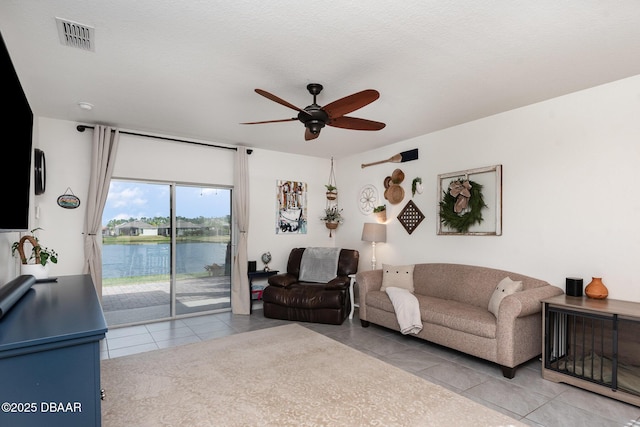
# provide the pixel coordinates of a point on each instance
(282, 376)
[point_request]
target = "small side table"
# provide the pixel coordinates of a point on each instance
(258, 275)
(351, 296)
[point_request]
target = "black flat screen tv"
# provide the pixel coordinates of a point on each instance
(15, 167)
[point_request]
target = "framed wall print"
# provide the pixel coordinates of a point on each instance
(291, 207)
(470, 202)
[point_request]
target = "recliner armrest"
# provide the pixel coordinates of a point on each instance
(282, 280)
(340, 282)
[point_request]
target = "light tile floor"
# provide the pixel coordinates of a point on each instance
(527, 397)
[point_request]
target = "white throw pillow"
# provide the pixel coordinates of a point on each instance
(397, 276)
(504, 288)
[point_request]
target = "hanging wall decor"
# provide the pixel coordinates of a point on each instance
(416, 186)
(471, 202)
(394, 192)
(405, 156)
(68, 200)
(380, 212)
(332, 213)
(410, 217)
(332, 190)
(291, 207)
(367, 199)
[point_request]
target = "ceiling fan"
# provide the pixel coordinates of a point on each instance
(315, 117)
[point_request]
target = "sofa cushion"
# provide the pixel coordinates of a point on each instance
(305, 296)
(450, 314)
(397, 276)
(504, 288)
(457, 316)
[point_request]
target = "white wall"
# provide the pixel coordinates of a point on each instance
(569, 204)
(267, 167)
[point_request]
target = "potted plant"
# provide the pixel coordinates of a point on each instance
(416, 186)
(381, 213)
(332, 192)
(332, 218)
(37, 264)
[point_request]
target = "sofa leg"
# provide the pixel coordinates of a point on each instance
(364, 323)
(508, 372)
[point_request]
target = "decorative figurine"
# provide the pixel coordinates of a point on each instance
(266, 259)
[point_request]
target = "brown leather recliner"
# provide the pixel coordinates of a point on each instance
(287, 298)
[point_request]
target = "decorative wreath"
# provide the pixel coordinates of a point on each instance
(462, 219)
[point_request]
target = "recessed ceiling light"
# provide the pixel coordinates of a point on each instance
(85, 106)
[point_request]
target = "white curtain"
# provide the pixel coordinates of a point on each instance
(105, 146)
(240, 293)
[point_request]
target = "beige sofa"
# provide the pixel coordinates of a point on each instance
(453, 304)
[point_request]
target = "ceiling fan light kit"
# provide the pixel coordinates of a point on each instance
(315, 117)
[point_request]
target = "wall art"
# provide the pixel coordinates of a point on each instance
(367, 199)
(291, 207)
(471, 202)
(68, 200)
(410, 217)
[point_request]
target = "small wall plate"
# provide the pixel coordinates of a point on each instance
(68, 200)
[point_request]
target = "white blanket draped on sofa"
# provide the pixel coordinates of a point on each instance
(407, 309)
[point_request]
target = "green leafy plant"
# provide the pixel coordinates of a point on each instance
(39, 254)
(331, 187)
(380, 208)
(332, 214)
(414, 185)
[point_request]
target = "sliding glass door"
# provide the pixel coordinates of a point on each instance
(166, 251)
(203, 249)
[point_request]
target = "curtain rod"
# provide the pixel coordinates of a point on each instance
(82, 128)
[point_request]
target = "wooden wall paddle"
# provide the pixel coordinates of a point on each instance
(405, 156)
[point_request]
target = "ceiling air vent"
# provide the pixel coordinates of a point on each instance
(77, 35)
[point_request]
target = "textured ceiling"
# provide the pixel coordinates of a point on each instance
(189, 68)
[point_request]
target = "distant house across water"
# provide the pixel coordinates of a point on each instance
(136, 228)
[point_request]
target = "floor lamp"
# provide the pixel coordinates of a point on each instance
(373, 232)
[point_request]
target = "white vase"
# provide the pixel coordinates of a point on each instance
(37, 270)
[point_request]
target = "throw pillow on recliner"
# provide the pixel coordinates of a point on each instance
(397, 276)
(505, 287)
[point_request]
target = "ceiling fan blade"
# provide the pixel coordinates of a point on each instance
(355, 123)
(351, 103)
(308, 136)
(278, 100)
(269, 121)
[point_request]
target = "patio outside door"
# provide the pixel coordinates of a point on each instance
(166, 251)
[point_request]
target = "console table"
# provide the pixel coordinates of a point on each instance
(50, 356)
(593, 344)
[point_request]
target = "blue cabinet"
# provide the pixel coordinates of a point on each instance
(50, 356)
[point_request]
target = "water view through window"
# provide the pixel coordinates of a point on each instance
(156, 265)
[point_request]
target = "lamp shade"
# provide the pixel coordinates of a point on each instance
(373, 232)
